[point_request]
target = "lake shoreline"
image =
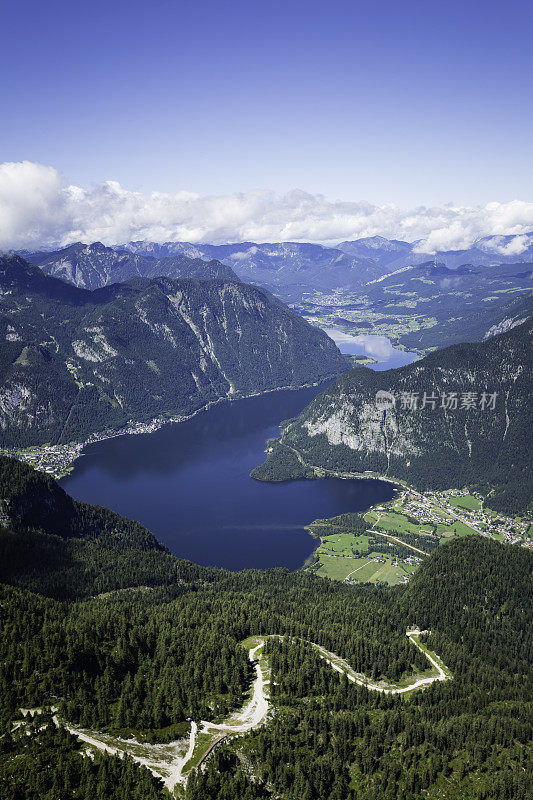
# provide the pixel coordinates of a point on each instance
(58, 460)
(378, 347)
(190, 485)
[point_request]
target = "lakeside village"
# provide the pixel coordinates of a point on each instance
(409, 519)
(422, 508)
(57, 459)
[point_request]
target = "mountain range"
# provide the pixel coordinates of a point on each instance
(290, 269)
(74, 362)
(348, 265)
(439, 428)
(91, 266)
(486, 251)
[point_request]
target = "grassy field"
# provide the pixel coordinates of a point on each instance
(338, 568)
(456, 529)
(398, 523)
(390, 572)
(343, 544)
(343, 555)
(366, 569)
(466, 501)
(345, 552)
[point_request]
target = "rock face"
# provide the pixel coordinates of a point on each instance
(459, 416)
(90, 266)
(511, 314)
(74, 362)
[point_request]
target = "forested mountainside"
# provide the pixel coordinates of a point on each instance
(73, 362)
(454, 289)
(91, 266)
(61, 547)
(459, 417)
(141, 662)
(473, 323)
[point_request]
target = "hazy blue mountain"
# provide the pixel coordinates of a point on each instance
(437, 289)
(486, 251)
(288, 268)
(291, 268)
(74, 361)
(473, 325)
(94, 265)
(432, 277)
(377, 248)
(165, 250)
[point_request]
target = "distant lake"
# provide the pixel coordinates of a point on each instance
(375, 346)
(190, 484)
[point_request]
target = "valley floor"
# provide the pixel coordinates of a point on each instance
(408, 528)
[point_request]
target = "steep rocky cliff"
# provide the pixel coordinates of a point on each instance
(459, 416)
(90, 266)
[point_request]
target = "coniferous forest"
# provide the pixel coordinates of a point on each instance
(266, 327)
(145, 660)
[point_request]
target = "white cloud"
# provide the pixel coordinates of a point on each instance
(512, 247)
(377, 346)
(39, 209)
(374, 345)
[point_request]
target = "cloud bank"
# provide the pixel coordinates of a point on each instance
(39, 209)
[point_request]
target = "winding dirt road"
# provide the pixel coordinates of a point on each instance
(254, 712)
(169, 762)
(342, 666)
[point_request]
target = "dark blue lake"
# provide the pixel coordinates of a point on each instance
(190, 484)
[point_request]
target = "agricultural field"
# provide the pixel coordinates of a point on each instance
(364, 321)
(387, 543)
(372, 568)
(356, 557)
(456, 529)
(466, 501)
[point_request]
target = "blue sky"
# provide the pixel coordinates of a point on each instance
(411, 102)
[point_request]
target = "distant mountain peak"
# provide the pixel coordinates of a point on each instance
(91, 266)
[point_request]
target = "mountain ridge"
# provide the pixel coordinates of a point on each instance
(91, 266)
(74, 362)
(417, 437)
